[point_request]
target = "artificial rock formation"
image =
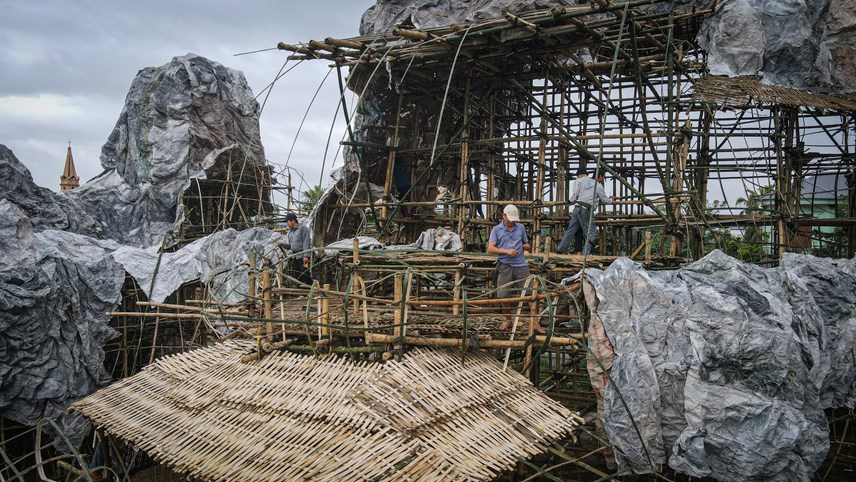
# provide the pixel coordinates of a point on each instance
(723, 369)
(58, 274)
(178, 120)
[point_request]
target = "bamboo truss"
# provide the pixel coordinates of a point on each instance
(505, 111)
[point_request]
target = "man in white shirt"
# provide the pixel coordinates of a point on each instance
(586, 197)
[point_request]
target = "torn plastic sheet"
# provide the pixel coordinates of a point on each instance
(726, 367)
(220, 260)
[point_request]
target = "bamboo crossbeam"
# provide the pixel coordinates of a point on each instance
(155, 315)
(572, 339)
(489, 302)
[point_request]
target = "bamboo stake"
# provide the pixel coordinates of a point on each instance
(399, 308)
(456, 292)
(267, 304)
(647, 246)
(533, 318)
(325, 313)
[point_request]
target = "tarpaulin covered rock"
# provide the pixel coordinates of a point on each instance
(44, 208)
(723, 369)
(57, 276)
(177, 121)
(55, 290)
(387, 14)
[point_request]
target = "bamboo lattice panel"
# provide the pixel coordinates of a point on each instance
(744, 91)
(296, 417)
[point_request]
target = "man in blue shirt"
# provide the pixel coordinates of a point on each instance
(508, 240)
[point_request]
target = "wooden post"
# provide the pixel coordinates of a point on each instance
(456, 292)
(397, 317)
(647, 246)
(542, 164)
(491, 178)
(280, 281)
(465, 163)
(677, 184)
(533, 318)
(251, 282)
(268, 305)
(548, 242)
(325, 313)
(390, 161)
(356, 274)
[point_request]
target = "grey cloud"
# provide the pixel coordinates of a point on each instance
(93, 49)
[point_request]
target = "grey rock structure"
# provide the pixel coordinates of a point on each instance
(58, 275)
(178, 120)
(725, 368)
(55, 290)
(45, 209)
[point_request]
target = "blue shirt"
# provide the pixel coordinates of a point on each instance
(514, 239)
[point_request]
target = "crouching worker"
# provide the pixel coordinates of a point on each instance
(299, 243)
(508, 240)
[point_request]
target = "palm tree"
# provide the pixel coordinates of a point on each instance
(310, 198)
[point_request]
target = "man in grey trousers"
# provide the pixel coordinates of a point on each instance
(586, 197)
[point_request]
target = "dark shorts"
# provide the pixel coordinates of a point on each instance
(506, 274)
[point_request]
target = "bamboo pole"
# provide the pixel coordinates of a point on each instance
(647, 246)
(251, 283)
(456, 292)
(325, 312)
(266, 300)
(379, 338)
(533, 319)
(390, 160)
(398, 290)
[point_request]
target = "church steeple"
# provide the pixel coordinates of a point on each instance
(69, 179)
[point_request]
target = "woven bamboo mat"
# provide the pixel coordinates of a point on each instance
(743, 91)
(295, 417)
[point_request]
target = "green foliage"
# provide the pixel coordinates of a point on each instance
(310, 198)
(834, 244)
(749, 247)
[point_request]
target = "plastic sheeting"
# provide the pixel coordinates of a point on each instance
(45, 209)
(804, 44)
(723, 369)
(55, 290)
(57, 280)
(432, 239)
(387, 14)
(220, 261)
(347, 245)
(438, 239)
(177, 119)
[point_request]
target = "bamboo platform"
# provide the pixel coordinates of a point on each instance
(210, 416)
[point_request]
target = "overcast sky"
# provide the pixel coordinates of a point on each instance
(65, 69)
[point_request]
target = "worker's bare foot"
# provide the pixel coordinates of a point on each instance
(505, 326)
(540, 330)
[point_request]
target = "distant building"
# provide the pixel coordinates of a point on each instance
(69, 179)
(821, 196)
